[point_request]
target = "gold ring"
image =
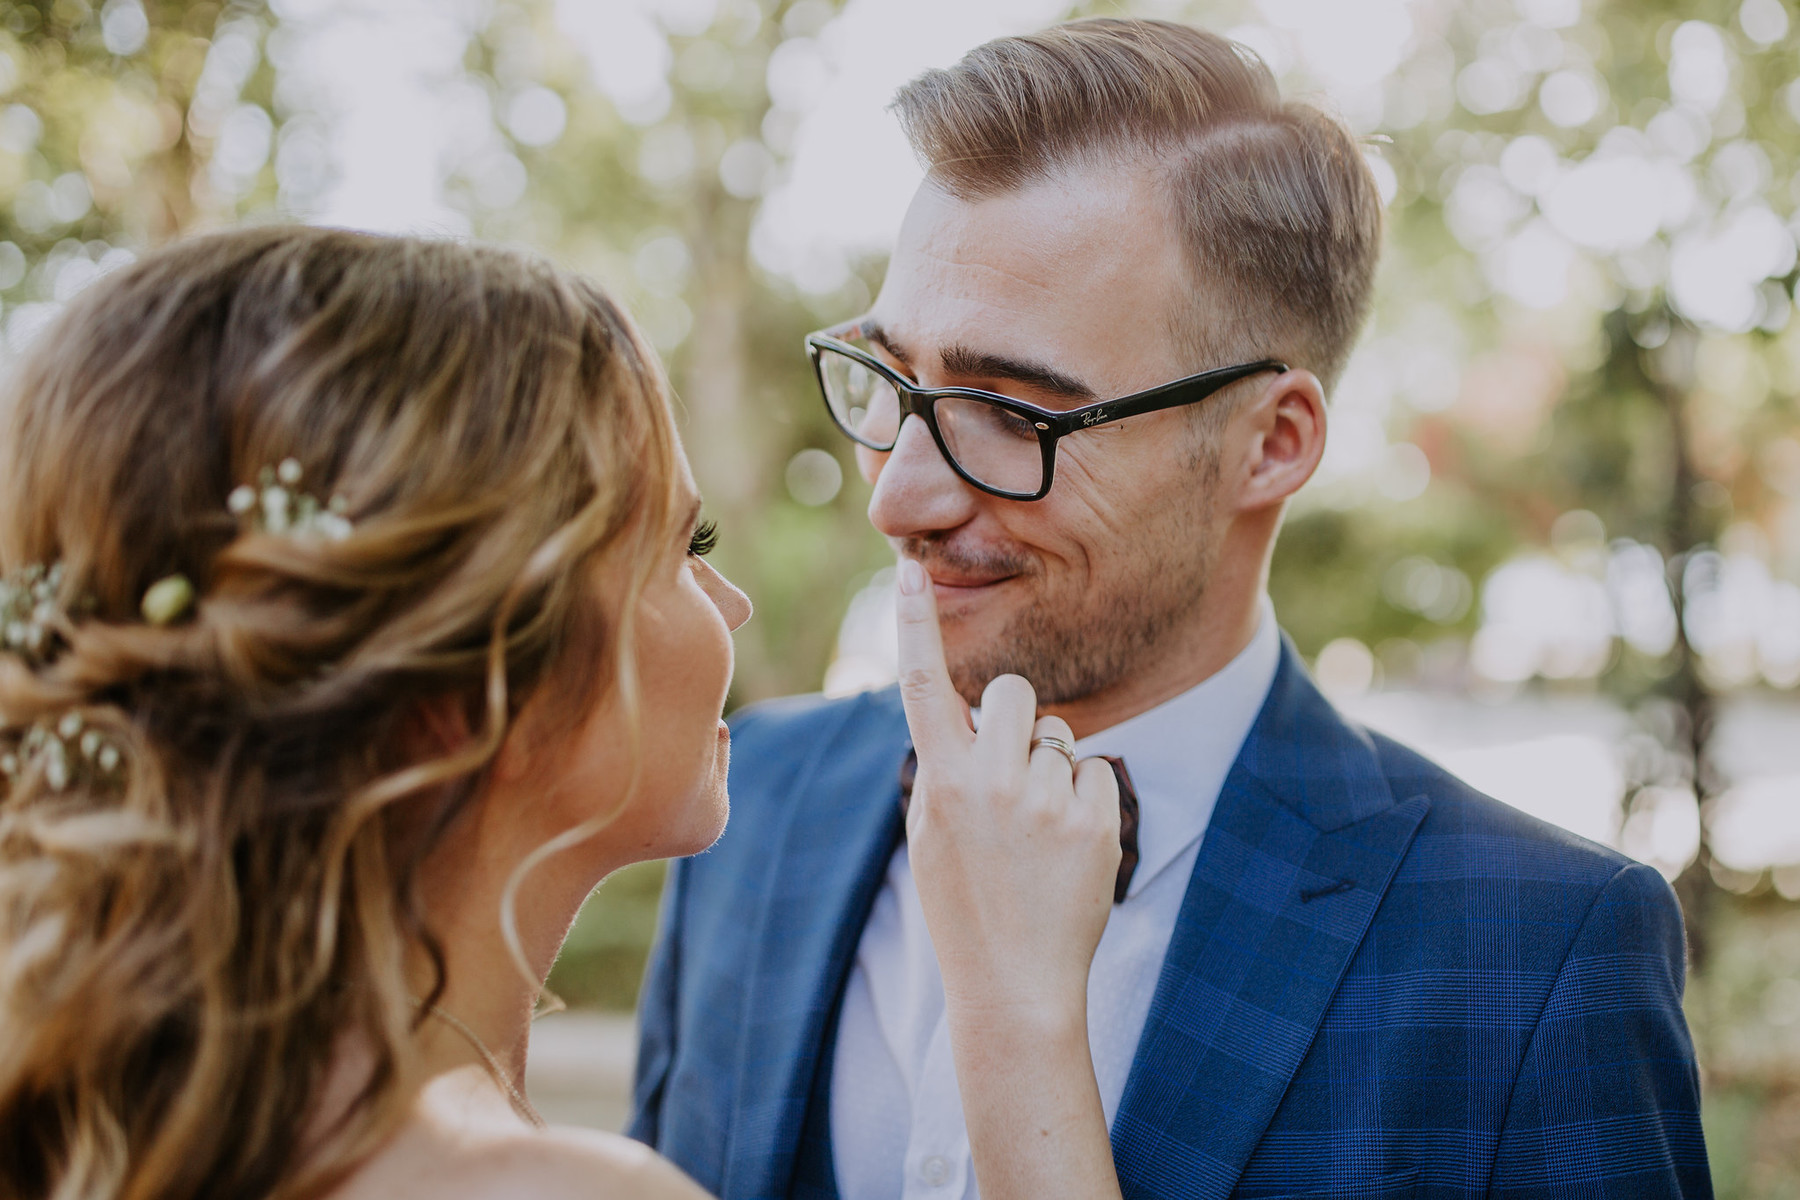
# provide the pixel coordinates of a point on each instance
(1057, 744)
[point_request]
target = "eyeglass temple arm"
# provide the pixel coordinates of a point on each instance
(1168, 395)
(815, 342)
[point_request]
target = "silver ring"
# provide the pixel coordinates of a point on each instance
(1057, 744)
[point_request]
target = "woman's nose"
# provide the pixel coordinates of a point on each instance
(730, 599)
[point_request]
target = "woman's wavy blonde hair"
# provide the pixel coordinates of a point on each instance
(183, 946)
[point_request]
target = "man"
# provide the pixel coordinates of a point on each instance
(1334, 969)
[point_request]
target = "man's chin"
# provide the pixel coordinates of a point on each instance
(1057, 667)
(977, 663)
(974, 621)
(985, 632)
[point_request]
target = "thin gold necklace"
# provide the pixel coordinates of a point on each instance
(520, 1104)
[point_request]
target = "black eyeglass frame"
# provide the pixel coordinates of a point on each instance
(1051, 425)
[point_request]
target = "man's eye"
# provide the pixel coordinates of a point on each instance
(705, 539)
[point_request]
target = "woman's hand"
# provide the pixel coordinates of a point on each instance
(1015, 852)
(1015, 855)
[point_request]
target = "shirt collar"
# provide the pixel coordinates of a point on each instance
(1180, 752)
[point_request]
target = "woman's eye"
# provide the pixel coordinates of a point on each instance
(705, 539)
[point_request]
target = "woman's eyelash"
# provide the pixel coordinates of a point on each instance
(705, 539)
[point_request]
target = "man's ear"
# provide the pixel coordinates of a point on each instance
(1284, 427)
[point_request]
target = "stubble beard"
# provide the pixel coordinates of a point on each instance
(1070, 653)
(1072, 647)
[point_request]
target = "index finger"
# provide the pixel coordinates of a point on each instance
(935, 712)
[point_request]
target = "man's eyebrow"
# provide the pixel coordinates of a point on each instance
(874, 333)
(962, 360)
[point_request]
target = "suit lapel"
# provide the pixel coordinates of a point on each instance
(1300, 850)
(843, 822)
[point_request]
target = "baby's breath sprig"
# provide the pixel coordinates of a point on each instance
(67, 750)
(28, 607)
(276, 505)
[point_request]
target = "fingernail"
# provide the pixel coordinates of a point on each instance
(912, 577)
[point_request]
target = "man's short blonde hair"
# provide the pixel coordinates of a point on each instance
(1277, 207)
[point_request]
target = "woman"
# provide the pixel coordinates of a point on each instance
(355, 626)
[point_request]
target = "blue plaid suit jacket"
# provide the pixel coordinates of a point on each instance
(1382, 984)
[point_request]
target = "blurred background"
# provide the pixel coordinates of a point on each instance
(1556, 538)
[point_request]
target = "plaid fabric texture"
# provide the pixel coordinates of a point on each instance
(1382, 984)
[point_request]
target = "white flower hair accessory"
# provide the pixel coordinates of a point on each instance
(276, 505)
(28, 608)
(66, 750)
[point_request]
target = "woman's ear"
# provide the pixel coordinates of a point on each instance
(443, 726)
(437, 728)
(1286, 439)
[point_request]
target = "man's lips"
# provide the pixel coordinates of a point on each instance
(951, 579)
(965, 573)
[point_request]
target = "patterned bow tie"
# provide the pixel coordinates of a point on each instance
(1128, 815)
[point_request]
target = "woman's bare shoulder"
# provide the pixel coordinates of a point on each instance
(552, 1164)
(465, 1143)
(574, 1164)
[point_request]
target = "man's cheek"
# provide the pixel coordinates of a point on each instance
(1101, 497)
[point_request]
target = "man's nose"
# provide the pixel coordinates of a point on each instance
(916, 492)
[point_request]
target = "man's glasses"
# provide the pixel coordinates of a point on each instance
(1003, 446)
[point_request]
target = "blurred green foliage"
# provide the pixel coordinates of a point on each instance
(603, 958)
(111, 123)
(674, 240)
(1745, 1013)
